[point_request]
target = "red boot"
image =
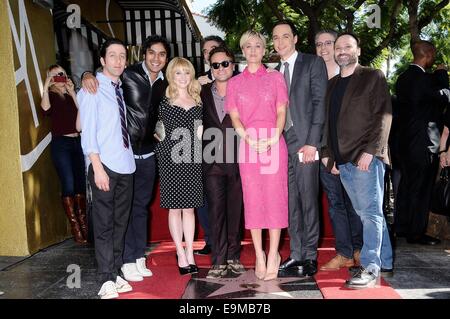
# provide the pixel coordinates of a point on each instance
(68, 204)
(80, 212)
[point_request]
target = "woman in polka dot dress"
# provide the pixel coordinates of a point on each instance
(180, 158)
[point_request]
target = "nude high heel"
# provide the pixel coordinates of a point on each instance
(260, 272)
(272, 273)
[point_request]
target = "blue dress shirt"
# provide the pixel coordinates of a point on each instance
(101, 128)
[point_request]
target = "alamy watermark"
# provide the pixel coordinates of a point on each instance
(187, 149)
(73, 21)
(74, 279)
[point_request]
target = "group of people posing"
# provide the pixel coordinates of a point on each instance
(323, 106)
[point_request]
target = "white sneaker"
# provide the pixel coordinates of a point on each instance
(108, 290)
(142, 267)
(122, 285)
(130, 272)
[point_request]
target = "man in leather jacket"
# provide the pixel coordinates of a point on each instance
(143, 87)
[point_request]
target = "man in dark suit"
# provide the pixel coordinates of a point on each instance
(306, 79)
(221, 170)
(420, 109)
(209, 43)
(359, 115)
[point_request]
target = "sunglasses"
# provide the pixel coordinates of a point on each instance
(224, 64)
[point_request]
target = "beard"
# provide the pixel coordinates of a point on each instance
(344, 60)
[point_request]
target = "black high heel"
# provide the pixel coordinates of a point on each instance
(183, 270)
(193, 269)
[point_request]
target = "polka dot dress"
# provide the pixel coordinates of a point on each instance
(180, 157)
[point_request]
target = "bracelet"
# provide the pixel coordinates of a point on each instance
(440, 152)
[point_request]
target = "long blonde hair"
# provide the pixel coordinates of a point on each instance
(193, 88)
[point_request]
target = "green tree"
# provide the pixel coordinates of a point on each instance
(401, 22)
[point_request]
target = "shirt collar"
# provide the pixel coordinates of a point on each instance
(419, 67)
(215, 91)
(160, 74)
(261, 70)
(104, 79)
(291, 59)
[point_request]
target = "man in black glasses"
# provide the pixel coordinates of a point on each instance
(220, 169)
(347, 226)
(209, 43)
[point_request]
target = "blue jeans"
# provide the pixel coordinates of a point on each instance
(68, 159)
(346, 223)
(365, 190)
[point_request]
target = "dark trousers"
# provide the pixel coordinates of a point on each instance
(203, 218)
(414, 196)
(224, 194)
(303, 204)
(347, 226)
(136, 235)
(110, 212)
(68, 159)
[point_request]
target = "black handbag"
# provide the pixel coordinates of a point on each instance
(440, 203)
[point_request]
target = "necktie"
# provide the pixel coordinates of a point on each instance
(287, 78)
(123, 122)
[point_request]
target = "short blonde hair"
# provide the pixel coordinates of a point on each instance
(251, 34)
(194, 87)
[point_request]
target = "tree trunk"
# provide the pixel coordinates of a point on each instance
(413, 9)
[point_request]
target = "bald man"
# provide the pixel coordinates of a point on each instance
(420, 107)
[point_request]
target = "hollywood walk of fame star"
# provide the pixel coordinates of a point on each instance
(248, 281)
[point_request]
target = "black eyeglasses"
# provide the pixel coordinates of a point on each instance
(326, 43)
(217, 65)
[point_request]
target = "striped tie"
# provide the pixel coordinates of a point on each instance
(123, 122)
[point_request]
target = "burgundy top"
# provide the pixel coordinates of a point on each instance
(63, 113)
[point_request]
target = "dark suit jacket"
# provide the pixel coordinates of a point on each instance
(219, 144)
(307, 100)
(419, 102)
(365, 117)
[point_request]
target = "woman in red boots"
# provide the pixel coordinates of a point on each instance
(60, 103)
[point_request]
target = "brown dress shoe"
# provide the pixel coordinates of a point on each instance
(337, 263)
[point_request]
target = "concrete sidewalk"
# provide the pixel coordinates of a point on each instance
(420, 272)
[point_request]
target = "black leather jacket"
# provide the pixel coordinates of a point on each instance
(142, 101)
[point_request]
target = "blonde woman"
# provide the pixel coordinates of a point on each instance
(180, 158)
(59, 102)
(256, 101)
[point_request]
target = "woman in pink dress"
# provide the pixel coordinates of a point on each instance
(256, 101)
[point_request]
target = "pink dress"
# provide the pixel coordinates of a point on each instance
(264, 176)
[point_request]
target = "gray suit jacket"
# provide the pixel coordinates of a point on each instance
(307, 100)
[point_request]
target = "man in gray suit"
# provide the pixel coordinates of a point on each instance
(306, 79)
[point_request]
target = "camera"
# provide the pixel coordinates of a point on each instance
(60, 78)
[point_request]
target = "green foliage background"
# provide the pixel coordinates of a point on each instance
(387, 44)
